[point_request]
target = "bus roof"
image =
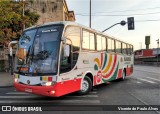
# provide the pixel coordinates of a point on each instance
(66, 23)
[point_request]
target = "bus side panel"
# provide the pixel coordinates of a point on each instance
(107, 67)
(119, 74)
(129, 71)
(68, 86)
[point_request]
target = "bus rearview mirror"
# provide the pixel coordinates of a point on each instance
(66, 50)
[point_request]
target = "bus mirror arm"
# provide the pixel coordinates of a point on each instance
(66, 50)
(64, 41)
(10, 55)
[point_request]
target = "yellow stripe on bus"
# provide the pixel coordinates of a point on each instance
(109, 64)
(97, 61)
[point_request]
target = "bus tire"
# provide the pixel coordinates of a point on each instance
(123, 75)
(86, 86)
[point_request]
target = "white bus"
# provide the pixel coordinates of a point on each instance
(58, 58)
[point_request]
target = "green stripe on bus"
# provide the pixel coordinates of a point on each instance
(105, 61)
(40, 78)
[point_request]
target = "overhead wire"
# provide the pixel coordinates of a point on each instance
(139, 14)
(116, 11)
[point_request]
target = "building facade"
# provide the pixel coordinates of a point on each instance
(51, 10)
(147, 56)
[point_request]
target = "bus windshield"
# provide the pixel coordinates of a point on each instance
(38, 51)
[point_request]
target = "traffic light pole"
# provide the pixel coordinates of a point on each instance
(110, 27)
(130, 22)
(121, 23)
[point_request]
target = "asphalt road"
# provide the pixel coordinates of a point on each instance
(142, 88)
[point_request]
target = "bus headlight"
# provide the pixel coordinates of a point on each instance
(16, 80)
(48, 83)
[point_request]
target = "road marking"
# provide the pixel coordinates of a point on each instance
(51, 101)
(153, 79)
(93, 92)
(141, 100)
(153, 71)
(18, 97)
(34, 96)
(146, 80)
(137, 98)
(84, 96)
(94, 89)
(17, 93)
(23, 93)
(138, 82)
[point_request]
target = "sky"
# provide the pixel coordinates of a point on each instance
(105, 13)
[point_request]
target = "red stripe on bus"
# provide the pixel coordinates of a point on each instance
(101, 60)
(95, 78)
(113, 67)
(129, 71)
(119, 73)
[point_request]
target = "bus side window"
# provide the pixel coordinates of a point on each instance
(99, 43)
(111, 45)
(131, 49)
(128, 49)
(118, 47)
(65, 64)
(92, 41)
(72, 35)
(104, 44)
(88, 40)
(124, 50)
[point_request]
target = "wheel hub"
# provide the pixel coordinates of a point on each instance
(85, 85)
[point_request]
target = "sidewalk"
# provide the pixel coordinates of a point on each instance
(6, 79)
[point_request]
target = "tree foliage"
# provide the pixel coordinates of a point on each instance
(11, 20)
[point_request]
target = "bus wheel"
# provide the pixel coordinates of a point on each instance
(123, 75)
(86, 86)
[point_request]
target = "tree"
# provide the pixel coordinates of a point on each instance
(11, 20)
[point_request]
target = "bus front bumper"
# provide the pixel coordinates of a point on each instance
(39, 90)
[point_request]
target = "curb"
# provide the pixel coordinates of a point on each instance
(7, 86)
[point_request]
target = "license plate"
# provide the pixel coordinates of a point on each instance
(28, 90)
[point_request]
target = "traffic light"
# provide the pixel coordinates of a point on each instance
(130, 21)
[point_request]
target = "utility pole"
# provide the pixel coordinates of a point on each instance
(90, 14)
(157, 50)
